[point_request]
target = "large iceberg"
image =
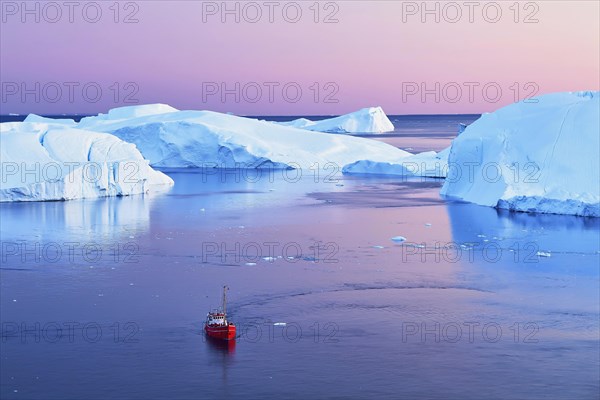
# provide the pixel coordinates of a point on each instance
(211, 139)
(43, 161)
(367, 120)
(537, 156)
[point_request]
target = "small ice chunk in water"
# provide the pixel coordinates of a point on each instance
(419, 246)
(269, 258)
(280, 324)
(378, 247)
(250, 264)
(398, 239)
(543, 254)
(428, 224)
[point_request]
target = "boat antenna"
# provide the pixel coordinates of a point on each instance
(225, 289)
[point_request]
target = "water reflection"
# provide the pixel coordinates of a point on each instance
(220, 356)
(67, 219)
(540, 264)
(551, 233)
(218, 347)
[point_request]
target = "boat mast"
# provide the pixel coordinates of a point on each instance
(225, 300)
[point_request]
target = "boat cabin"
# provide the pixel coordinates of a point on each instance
(216, 319)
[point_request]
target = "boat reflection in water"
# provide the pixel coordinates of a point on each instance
(220, 356)
(219, 346)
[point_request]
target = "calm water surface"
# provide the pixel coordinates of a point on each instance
(476, 303)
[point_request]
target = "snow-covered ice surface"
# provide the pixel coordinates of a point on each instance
(539, 156)
(366, 120)
(211, 139)
(56, 162)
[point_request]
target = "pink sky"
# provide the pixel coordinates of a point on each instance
(377, 53)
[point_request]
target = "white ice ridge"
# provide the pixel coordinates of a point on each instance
(209, 139)
(41, 161)
(540, 155)
(366, 120)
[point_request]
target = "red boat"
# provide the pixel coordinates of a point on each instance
(216, 325)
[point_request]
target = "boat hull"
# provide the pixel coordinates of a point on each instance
(220, 332)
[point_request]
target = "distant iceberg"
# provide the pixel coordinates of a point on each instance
(129, 112)
(542, 155)
(427, 164)
(39, 119)
(171, 138)
(367, 120)
(56, 162)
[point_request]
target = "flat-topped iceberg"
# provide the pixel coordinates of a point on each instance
(537, 156)
(366, 120)
(57, 162)
(39, 119)
(211, 139)
(124, 113)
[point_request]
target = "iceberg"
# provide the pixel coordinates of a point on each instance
(367, 120)
(39, 119)
(540, 155)
(124, 113)
(427, 164)
(43, 161)
(300, 123)
(209, 139)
